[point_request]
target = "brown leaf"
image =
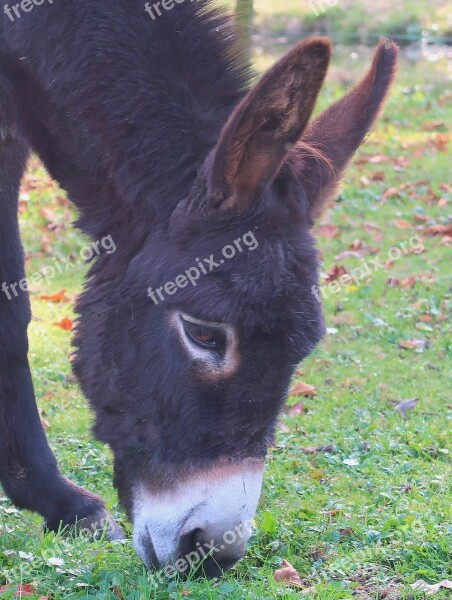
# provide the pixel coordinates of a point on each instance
(283, 428)
(401, 224)
(432, 125)
(334, 273)
(58, 297)
(425, 318)
(20, 591)
(45, 244)
(371, 227)
(48, 214)
(390, 193)
(65, 324)
(288, 575)
(419, 345)
(431, 588)
(439, 142)
(346, 531)
(327, 231)
(45, 424)
(303, 389)
(317, 449)
(446, 241)
(357, 245)
(438, 230)
(295, 410)
(421, 218)
(349, 254)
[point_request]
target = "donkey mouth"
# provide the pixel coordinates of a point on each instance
(203, 525)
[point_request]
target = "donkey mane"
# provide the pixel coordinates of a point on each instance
(177, 78)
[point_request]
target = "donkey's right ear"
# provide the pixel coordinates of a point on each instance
(263, 128)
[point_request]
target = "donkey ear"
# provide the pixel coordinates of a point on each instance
(332, 139)
(265, 125)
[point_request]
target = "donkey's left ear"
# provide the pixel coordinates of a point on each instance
(264, 127)
(332, 139)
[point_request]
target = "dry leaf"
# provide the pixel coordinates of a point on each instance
(418, 345)
(432, 125)
(58, 297)
(390, 193)
(371, 227)
(288, 575)
(20, 591)
(334, 273)
(446, 240)
(401, 224)
(316, 449)
(438, 230)
(327, 231)
(431, 588)
(295, 410)
(65, 324)
(303, 389)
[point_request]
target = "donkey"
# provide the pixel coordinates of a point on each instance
(150, 124)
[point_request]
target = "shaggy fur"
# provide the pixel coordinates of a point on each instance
(149, 127)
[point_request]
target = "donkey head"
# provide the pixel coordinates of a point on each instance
(196, 371)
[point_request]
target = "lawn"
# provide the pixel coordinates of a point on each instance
(357, 491)
(410, 19)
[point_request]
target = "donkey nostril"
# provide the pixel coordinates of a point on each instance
(205, 556)
(190, 542)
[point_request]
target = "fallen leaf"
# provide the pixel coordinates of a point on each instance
(65, 324)
(316, 449)
(45, 424)
(425, 318)
(446, 240)
(346, 531)
(58, 297)
(432, 125)
(401, 224)
(349, 254)
(418, 345)
(46, 246)
(295, 410)
(20, 591)
(303, 389)
(438, 230)
(421, 218)
(371, 227)
(390, 193)
(288, 575)
(334, 273)
(283, 428)
(429, 589)
(327, 231)
(404, 407)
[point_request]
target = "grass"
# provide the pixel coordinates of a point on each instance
(348, 18)
(364, 520)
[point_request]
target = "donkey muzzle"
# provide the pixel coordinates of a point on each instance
(201, 526)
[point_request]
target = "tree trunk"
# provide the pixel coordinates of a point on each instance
(244, 20)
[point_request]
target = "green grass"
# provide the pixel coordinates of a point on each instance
(345, 18)
(369, 526)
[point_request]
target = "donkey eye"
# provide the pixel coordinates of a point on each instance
(209, 338)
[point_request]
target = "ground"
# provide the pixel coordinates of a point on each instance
(357, 488)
